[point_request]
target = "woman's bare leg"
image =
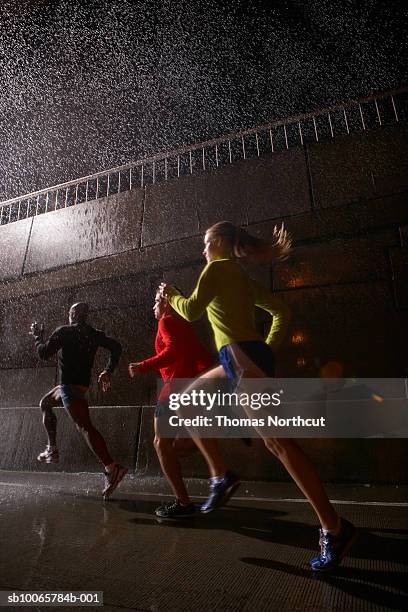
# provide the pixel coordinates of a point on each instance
(305, 475)
(170, 465)
(209, 447)
(295, 461)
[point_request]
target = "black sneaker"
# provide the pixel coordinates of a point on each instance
(220, 492)
(334, 548)
(175, 510)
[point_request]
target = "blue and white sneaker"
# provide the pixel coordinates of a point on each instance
(334, 548)
(220, 492)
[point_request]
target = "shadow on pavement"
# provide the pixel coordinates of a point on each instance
(370, 585)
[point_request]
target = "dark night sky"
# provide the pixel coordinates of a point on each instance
(86, 88)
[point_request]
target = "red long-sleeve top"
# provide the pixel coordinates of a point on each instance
(179, 353)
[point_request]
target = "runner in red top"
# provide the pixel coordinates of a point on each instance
(179, 354)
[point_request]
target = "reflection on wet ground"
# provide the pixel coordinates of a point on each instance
(250, 556)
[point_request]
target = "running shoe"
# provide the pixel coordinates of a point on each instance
(49, 455)
(175, 510)
(334, 548)
(220, 492)
(112, 479)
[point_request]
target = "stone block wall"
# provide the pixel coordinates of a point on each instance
(345, 203)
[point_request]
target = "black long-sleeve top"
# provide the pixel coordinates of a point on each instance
(76, 347)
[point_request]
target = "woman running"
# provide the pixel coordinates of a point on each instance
(229, 296)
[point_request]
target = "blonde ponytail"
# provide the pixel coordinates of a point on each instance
(244, 244)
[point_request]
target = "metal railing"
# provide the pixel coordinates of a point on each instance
(342, 119)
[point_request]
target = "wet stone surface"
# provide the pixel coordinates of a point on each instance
(252, 555)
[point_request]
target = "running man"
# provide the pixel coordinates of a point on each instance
(76, 345)
(179, 354)
(229, 296)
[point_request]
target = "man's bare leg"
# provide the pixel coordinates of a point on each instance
(47, 403)
(79, 413)
(77, 407)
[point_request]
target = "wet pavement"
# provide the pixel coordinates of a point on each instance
(56, 534)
